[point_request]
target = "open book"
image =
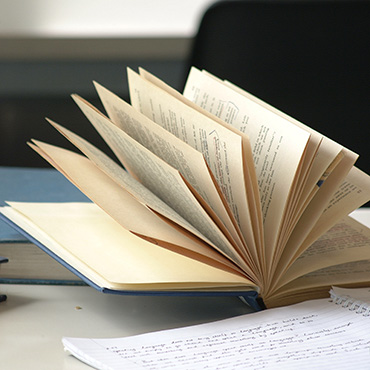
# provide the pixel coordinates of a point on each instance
(215, 191)
(319, 334)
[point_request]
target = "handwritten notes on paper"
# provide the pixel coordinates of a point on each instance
(316, 334)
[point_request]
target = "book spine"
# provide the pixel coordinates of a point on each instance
(351, 304)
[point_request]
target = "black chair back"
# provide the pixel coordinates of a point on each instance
(310, 59)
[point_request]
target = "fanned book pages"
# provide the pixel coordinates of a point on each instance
(212, 192)
(318, 334)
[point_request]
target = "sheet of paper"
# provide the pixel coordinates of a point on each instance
(312, 335)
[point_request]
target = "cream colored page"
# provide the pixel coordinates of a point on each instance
(188, 161)
(347, 241)
(330, 166)
(304, 203)
(355, 273)
(107, 253)
(221, 147)
(276, 160)
(292, 243)
(160, 178)
(353, 192)
(46, 240)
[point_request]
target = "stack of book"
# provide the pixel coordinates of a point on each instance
(28, 264)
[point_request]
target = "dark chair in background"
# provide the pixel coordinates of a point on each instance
(310, 59)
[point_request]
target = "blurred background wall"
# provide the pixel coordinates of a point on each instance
(50, 49)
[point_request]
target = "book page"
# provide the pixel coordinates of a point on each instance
(313, 335)
(347, 241)
(317, 283)
(328, 150)
(188, 161)
(353, 192)
(277, 162)
(221, 147)
(345, 274)
(95, 185)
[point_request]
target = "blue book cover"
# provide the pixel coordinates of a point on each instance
(33, 185)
